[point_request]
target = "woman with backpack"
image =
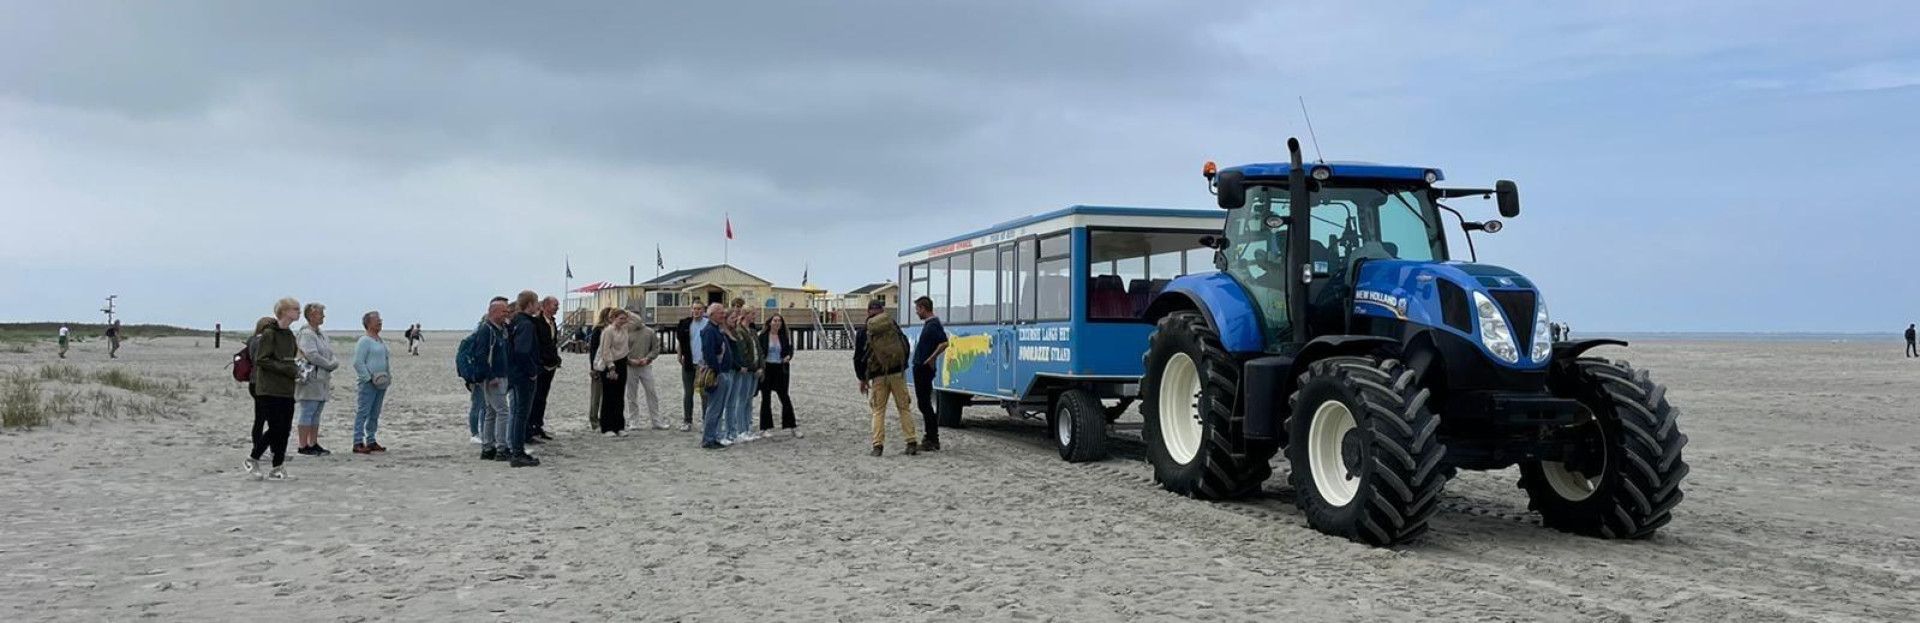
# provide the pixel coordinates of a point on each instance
(274, 371)
(316, 386)
(610, 364)
(776, 346)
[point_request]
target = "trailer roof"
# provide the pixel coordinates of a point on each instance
(1340, 169)
(1078, 210)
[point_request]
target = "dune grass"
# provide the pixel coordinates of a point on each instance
(32, 398)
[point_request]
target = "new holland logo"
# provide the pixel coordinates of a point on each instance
(1506, 282)
(1395, 304)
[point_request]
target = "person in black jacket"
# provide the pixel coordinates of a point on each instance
(548, 344)
(683, 334)
(523, 375)
(776, 345)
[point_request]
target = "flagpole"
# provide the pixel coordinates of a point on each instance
(566, 283)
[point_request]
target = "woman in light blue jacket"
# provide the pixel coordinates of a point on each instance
(370, 366)
(315, 385)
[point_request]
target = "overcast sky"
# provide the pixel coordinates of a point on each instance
(1684, 165)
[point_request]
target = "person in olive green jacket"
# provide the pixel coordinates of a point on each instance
(274, 377)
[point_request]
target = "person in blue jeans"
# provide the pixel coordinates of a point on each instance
(716, 355)
(370, 366)
(523, 376)
(485, 359)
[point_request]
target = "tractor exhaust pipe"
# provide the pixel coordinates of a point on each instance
(1299, 241)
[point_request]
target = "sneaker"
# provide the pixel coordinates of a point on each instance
(534, 440)
(319, 451)
(361, 448)
(663, 427)
(278, 473)
(487, 455)
(372, 447)
(795, 433)
(307, 451)
(930, 445)
(877, 451)
(252, 466)
(713, 445)
(474, 440)
(912, 448)
(686, 428)
(725, 442)
(523, 461)
(611, 434)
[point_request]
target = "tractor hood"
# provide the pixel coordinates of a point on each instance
(1453, 297)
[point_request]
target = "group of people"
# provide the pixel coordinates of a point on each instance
(112, 334)
(295, 370)
(414, 337)
(881, 358)
(727, 360)
(508, 364)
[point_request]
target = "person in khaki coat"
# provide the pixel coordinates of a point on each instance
(643, 350)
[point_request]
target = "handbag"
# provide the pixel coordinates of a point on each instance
(381, 381)
(706, 379)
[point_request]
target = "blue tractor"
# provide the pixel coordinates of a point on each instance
(1338, 329)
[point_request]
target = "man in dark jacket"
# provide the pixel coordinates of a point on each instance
(549, 347)
(879, 361)
(717, 355)
(683, 337)
(1911, 350)
(523, 375)
(487, 358)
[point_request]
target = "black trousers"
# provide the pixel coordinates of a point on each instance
(537, 420)
(779, 376)
(613, 399)
(923, 394)
(272, 420)
(1911, 351)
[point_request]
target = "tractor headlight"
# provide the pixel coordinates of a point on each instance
(1542, 333)
(1494, 332)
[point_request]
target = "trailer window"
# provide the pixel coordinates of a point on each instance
(1027, 300)
(1127, 268)
(985, 297)
(960, 294)
(1054, 280)
(937, 285)
(1006, 283)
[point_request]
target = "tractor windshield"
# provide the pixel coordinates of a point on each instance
(1350, 223)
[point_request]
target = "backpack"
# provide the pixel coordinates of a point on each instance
(886, 347)
(463, 358)
(243, 363)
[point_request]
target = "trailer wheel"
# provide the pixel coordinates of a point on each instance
(1365, 456)
(947, 407)
(1079, 426)
(1630, 482)
(1189, 400)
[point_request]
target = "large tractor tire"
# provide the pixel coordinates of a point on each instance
(1079, 425)
(1630, 480)
(1365, 450)
(947, 407)
(1189, 400)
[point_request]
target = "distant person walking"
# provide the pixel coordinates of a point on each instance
(686, 334)
(718, 364)
(371, 368)
(315, 387)
(414, 338)
(487, 357)
(1911, 350)
(216, 335)
(274, 371)
(611, 365)
(547, 341)
(643, 348)
(113, 340)
(879, 359)
(926, 360)
(747, 378)
(776, 346)
(523, 375)
(63, 341)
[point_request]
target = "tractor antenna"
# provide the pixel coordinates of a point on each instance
(1317, 156)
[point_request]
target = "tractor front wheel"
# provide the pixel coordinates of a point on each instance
(1625, 481)
(1189, 400)
(1364, 450)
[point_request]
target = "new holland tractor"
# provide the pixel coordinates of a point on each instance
(1339, 330)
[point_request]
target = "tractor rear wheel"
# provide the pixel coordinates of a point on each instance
(1364, 450)
(1629, 482)
(1189, 400)
(1079, 426)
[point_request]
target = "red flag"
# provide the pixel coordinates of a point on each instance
(729, 227)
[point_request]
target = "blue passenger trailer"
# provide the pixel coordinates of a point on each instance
(1046, 315)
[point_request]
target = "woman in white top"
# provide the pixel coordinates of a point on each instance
(315, 386)
(610, 364)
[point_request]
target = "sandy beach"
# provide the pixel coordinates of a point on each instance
(1803, 504)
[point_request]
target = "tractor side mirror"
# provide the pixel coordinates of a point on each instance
(1231, 188)
(1214, 242)
(1491, 226)
(1508, 196)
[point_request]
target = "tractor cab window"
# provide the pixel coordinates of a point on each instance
(1256, 256)
(1352, 224)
